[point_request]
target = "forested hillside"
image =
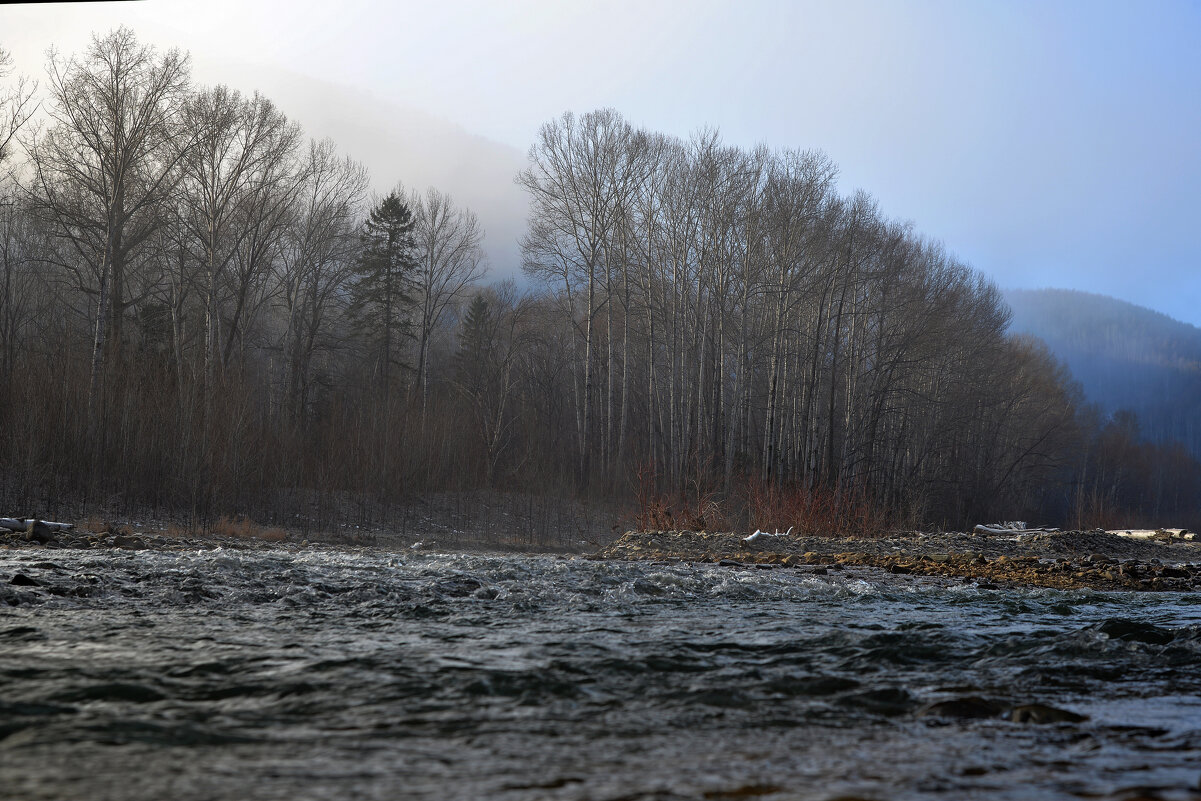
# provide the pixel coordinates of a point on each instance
(203, 312)
(1124, 356)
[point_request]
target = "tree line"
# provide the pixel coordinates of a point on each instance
(739, 326)
(199, 307)
(202, 311)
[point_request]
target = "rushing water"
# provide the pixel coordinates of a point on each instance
(327, 675)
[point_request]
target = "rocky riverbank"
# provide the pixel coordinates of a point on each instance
(125, 538)
(451, 522)
(463, 523)
(1062, 560)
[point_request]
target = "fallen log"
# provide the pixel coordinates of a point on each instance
(1009, 528)
(19, 524)
(1154, 533)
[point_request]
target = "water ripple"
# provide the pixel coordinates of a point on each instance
(315, 674)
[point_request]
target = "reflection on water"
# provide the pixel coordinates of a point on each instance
(319, 675)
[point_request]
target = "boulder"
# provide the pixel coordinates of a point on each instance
(969, 708)
(39, 531)
(1041, 713)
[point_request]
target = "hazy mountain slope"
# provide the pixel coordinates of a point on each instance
(1125, 356)
(401, 144)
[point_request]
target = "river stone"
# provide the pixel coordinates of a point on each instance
(461, 586)
(1136, 631)
(1041, 713)
(129, 543)
(22, 580)
(969, 708)
(39, 532)
(887, 701)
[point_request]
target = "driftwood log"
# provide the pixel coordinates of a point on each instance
(25, 524)
(1167, 534)
(1012, 528)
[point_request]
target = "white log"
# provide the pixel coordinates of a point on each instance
(1005, 529)
(1153, 533)
(17, 524)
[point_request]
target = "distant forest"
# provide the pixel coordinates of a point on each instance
(202, 312)
(1127, 358)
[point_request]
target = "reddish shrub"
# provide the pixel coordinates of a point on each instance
(821, 511)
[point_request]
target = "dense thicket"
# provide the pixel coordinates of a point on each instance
(201, 312)
(733, 316)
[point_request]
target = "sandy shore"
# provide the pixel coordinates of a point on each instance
(1064, 560)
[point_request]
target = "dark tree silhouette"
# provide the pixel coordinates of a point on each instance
(381, 288)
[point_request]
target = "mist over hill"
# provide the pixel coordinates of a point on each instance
(400, 144)
(1125, 357)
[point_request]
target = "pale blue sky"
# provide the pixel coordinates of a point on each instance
(1046, 143)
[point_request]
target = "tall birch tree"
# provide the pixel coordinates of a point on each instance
(109, 157)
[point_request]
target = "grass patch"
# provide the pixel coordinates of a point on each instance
(244, 528)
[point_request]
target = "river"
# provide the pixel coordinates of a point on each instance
(322, 674)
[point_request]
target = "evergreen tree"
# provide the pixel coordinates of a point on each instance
(475, 341)
(381, 292)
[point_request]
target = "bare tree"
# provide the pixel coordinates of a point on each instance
(234, 176)
(20, 285)
(317, 259)
(265, 212)
(16, 106)
(110, 155)
(450, 259)
(578, 179)
(797, 195)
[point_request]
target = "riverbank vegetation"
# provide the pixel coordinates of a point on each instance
(204, 312)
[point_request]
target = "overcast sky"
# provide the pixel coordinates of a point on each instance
(1047, 144)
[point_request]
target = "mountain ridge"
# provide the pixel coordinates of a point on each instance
(1125, 356)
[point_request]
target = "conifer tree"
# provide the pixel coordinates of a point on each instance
(381, 292)
(475, 339)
